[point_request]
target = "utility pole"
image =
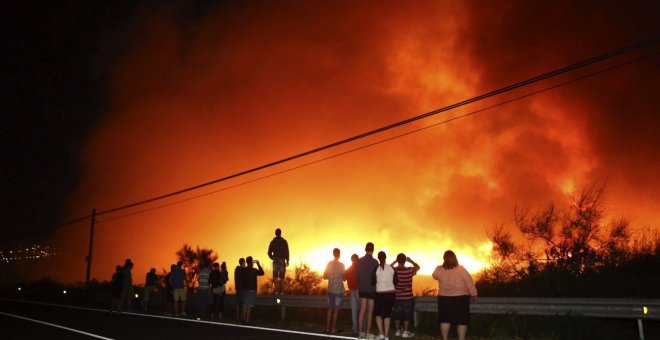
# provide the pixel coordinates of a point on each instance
(91, 246)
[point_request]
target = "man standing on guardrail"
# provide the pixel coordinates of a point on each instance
(365, 270)
(278, 251)
(335, 274)
(250, 294)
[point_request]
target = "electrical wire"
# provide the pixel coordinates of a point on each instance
(548, 75)
(503, 103)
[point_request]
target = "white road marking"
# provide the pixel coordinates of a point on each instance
(188, 320)
(58, 326)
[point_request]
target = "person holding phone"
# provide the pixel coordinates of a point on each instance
(250, 275)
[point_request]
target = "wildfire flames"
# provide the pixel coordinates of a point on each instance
(198, 97)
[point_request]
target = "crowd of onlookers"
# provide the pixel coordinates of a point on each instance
(377, 290)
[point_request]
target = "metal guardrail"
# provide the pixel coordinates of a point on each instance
(645, 309)
(631, 309)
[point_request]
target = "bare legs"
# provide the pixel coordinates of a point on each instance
(461, 330)
(444, 330)
(383, 325)
(366, 307)
(406, 325)
(331, 324)
(386, 324)
(180, 307)
(379, 323)
(247, 311)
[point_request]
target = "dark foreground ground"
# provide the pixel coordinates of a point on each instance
(24, 320)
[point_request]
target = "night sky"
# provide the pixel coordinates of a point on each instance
(108, 103)
(54, 96)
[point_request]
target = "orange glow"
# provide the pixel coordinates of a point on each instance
(236, 90)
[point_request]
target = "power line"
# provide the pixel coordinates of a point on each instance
(530, 94)
(569, 68)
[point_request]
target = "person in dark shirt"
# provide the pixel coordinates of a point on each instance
(116, 286)
(278, 251)
(178, 281)
(366, 267)
(250, 275)
(217, 281)
(354, 291)
(127, 286)
(239, 283)
(149, 285)
(169, 291)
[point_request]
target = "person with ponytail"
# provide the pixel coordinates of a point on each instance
(385, 279)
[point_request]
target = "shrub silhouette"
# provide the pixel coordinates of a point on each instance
(305, 281)
(570, 252)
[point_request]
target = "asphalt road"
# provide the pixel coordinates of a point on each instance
(29, 320)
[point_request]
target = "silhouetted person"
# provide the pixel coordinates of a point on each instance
(404, 305)
(354, 291)
(127, 286)
(365, 270)
(250, 294)
(385, 279)
(203, 290)
(278, 251)
(150, 282)
(217, 281)
(456, 289)
(116, 287)
(239, 286)
(178, 280)
(169, 292)
(335, 274)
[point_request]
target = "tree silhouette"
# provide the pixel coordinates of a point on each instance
(194, 260)
(305, 281)
(558, 249)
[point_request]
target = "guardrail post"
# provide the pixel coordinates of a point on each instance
(283, 313)
(640, 327)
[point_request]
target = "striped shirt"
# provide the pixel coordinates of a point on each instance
(404, 282)
(204, 278)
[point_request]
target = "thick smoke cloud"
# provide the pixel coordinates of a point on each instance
(202, 95)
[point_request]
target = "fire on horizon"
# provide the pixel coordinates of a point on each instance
(238, 87)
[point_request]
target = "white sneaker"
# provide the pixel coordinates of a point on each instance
(397, 333)
(370, 336)
(381, 337)
(362, 336)
(407, 334)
